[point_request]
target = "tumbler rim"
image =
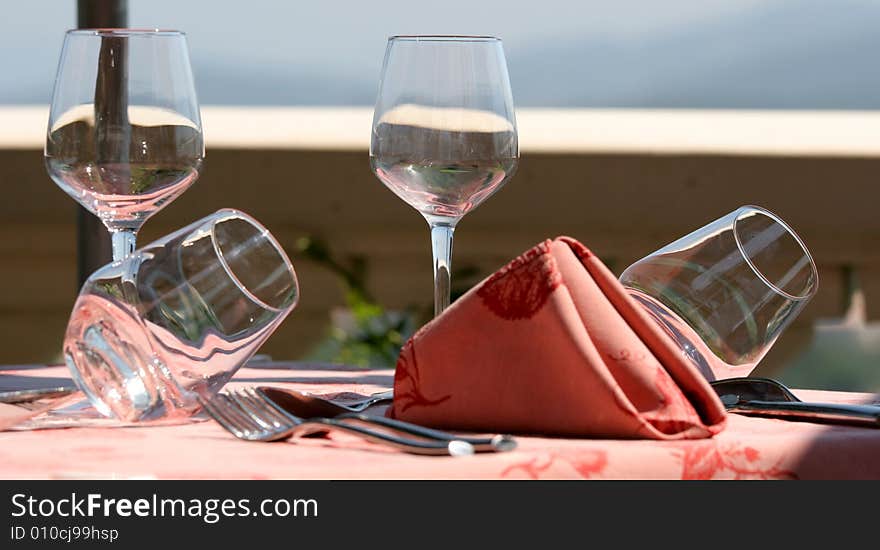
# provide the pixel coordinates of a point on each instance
(814, 285)
(231, 213)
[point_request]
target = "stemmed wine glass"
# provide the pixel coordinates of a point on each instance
(125, 134)
(444, 135)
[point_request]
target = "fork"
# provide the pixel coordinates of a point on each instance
(248, 415)
(310, 406)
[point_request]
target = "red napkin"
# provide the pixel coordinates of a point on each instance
(552, 344)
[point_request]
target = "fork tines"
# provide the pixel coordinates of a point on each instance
(250, 415)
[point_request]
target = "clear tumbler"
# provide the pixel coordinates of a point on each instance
(726, 291)
(175, 320)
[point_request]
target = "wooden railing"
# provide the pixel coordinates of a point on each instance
(622, 182)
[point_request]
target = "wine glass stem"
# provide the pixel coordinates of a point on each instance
(441, 244)
(123, 241)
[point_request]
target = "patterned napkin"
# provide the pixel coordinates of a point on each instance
(552, 344)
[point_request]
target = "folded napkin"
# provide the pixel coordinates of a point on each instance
(552, 344)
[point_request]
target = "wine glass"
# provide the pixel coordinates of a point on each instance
(125, 134)
(444, 135)
(726, 291)
(173, 321)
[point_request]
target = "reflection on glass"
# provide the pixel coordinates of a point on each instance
(125, 135)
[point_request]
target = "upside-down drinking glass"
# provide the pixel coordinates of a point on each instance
(125, 134)
(177, 318)
(727, 291)
(444, 133)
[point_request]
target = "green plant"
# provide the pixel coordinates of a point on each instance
(364, 333)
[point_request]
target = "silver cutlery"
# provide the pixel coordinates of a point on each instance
(26, 396)
(766, 397)
(358, 405)
(250, 415)
(308, 406)
(17, 413)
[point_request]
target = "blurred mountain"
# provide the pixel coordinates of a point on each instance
(809, 54)
(785, 54)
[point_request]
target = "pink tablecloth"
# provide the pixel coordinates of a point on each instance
(748, 447)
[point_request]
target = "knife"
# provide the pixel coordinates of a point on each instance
(26, 396)
(774, 400)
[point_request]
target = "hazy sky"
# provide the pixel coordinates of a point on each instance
(306, 51)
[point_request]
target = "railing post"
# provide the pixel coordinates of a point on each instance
(92, 238)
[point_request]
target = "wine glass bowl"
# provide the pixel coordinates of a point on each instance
(124, 136)
(444, 162)
(444, 136)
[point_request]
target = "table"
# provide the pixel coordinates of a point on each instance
(748, 448)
